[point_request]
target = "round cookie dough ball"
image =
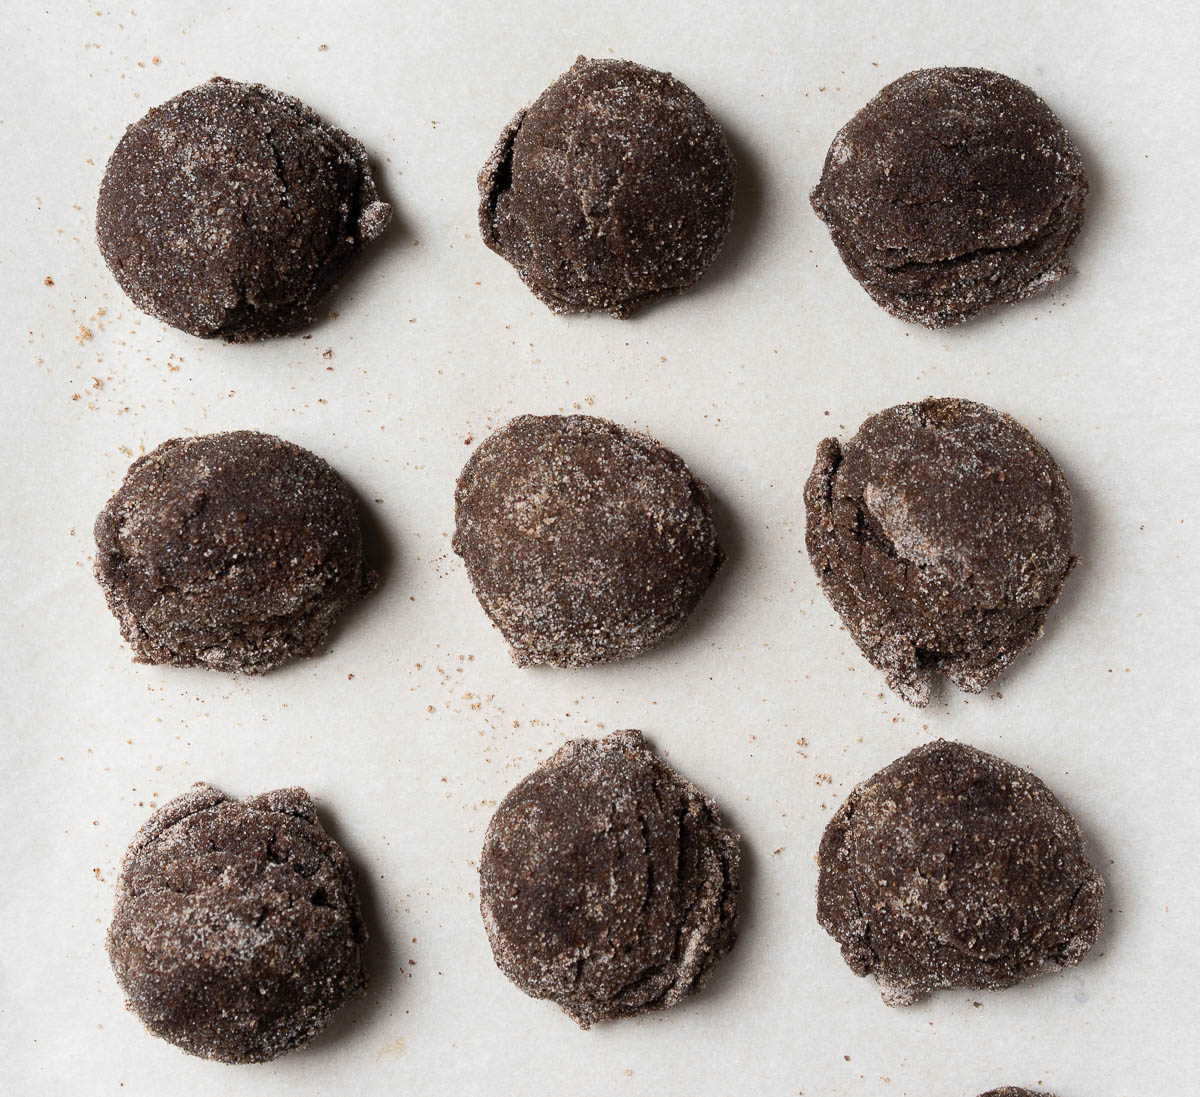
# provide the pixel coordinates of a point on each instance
(615, 188)
(237, 932)
(584, 541)
(953, 190)
(229, 551)
(231, 209)
(952, 868)
(941, 534)
(608, 883)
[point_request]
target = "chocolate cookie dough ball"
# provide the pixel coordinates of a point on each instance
(941, 534)
(231, 209)
(608, 883)
(952, 868)
(584, 541)
(953, 190)
(237, 932)
(1015, 1091)
(229, 551)
(614, 188)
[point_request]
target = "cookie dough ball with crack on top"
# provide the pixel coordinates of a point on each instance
(608, 883)
(953, 190)
(232, 209)
(941, 533)
(237, 932)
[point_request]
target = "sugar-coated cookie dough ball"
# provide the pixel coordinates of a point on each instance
(608, 883)
(941, 533)
(953, 190)
(232, 209)
(952, 868)
(237, 932)
(584, 541)
(230, 551)
(615, 188)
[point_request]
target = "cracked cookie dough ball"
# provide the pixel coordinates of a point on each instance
(231, 209)
(953, 190)
(615, 188)
(584, 541)
(952, 868)
(229, 551)
(237, 932)
(608, 883)
(941, 534)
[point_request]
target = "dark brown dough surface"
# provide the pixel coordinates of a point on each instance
(952, 868)
(231, 209)
(237, 931)
(953, 190)
(614, 188)
(1015, 1091)
(230, 551)
(608, 883)
(941, 534)
(584, 541)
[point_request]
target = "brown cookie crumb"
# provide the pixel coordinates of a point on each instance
(941, 534)
(230, 551)
(584, 542)
(615, 188)
(232, 209)
(952, 868)
(953, 190)
(237, 931)
(608, 883)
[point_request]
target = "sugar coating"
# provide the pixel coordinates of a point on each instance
(232, 551)
(941, 534)
(953, 190)
(615, 188)
(232, 209)
(608, 883)
(237, 931)
(584, 542)
(954, 868)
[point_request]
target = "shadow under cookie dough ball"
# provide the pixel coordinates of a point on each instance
(953, 190)
(952, 868)
(615, 188)
(231, 209)
(608, 883)
(584, 542)
(237, 932)
(941, 534)
(230, 551)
